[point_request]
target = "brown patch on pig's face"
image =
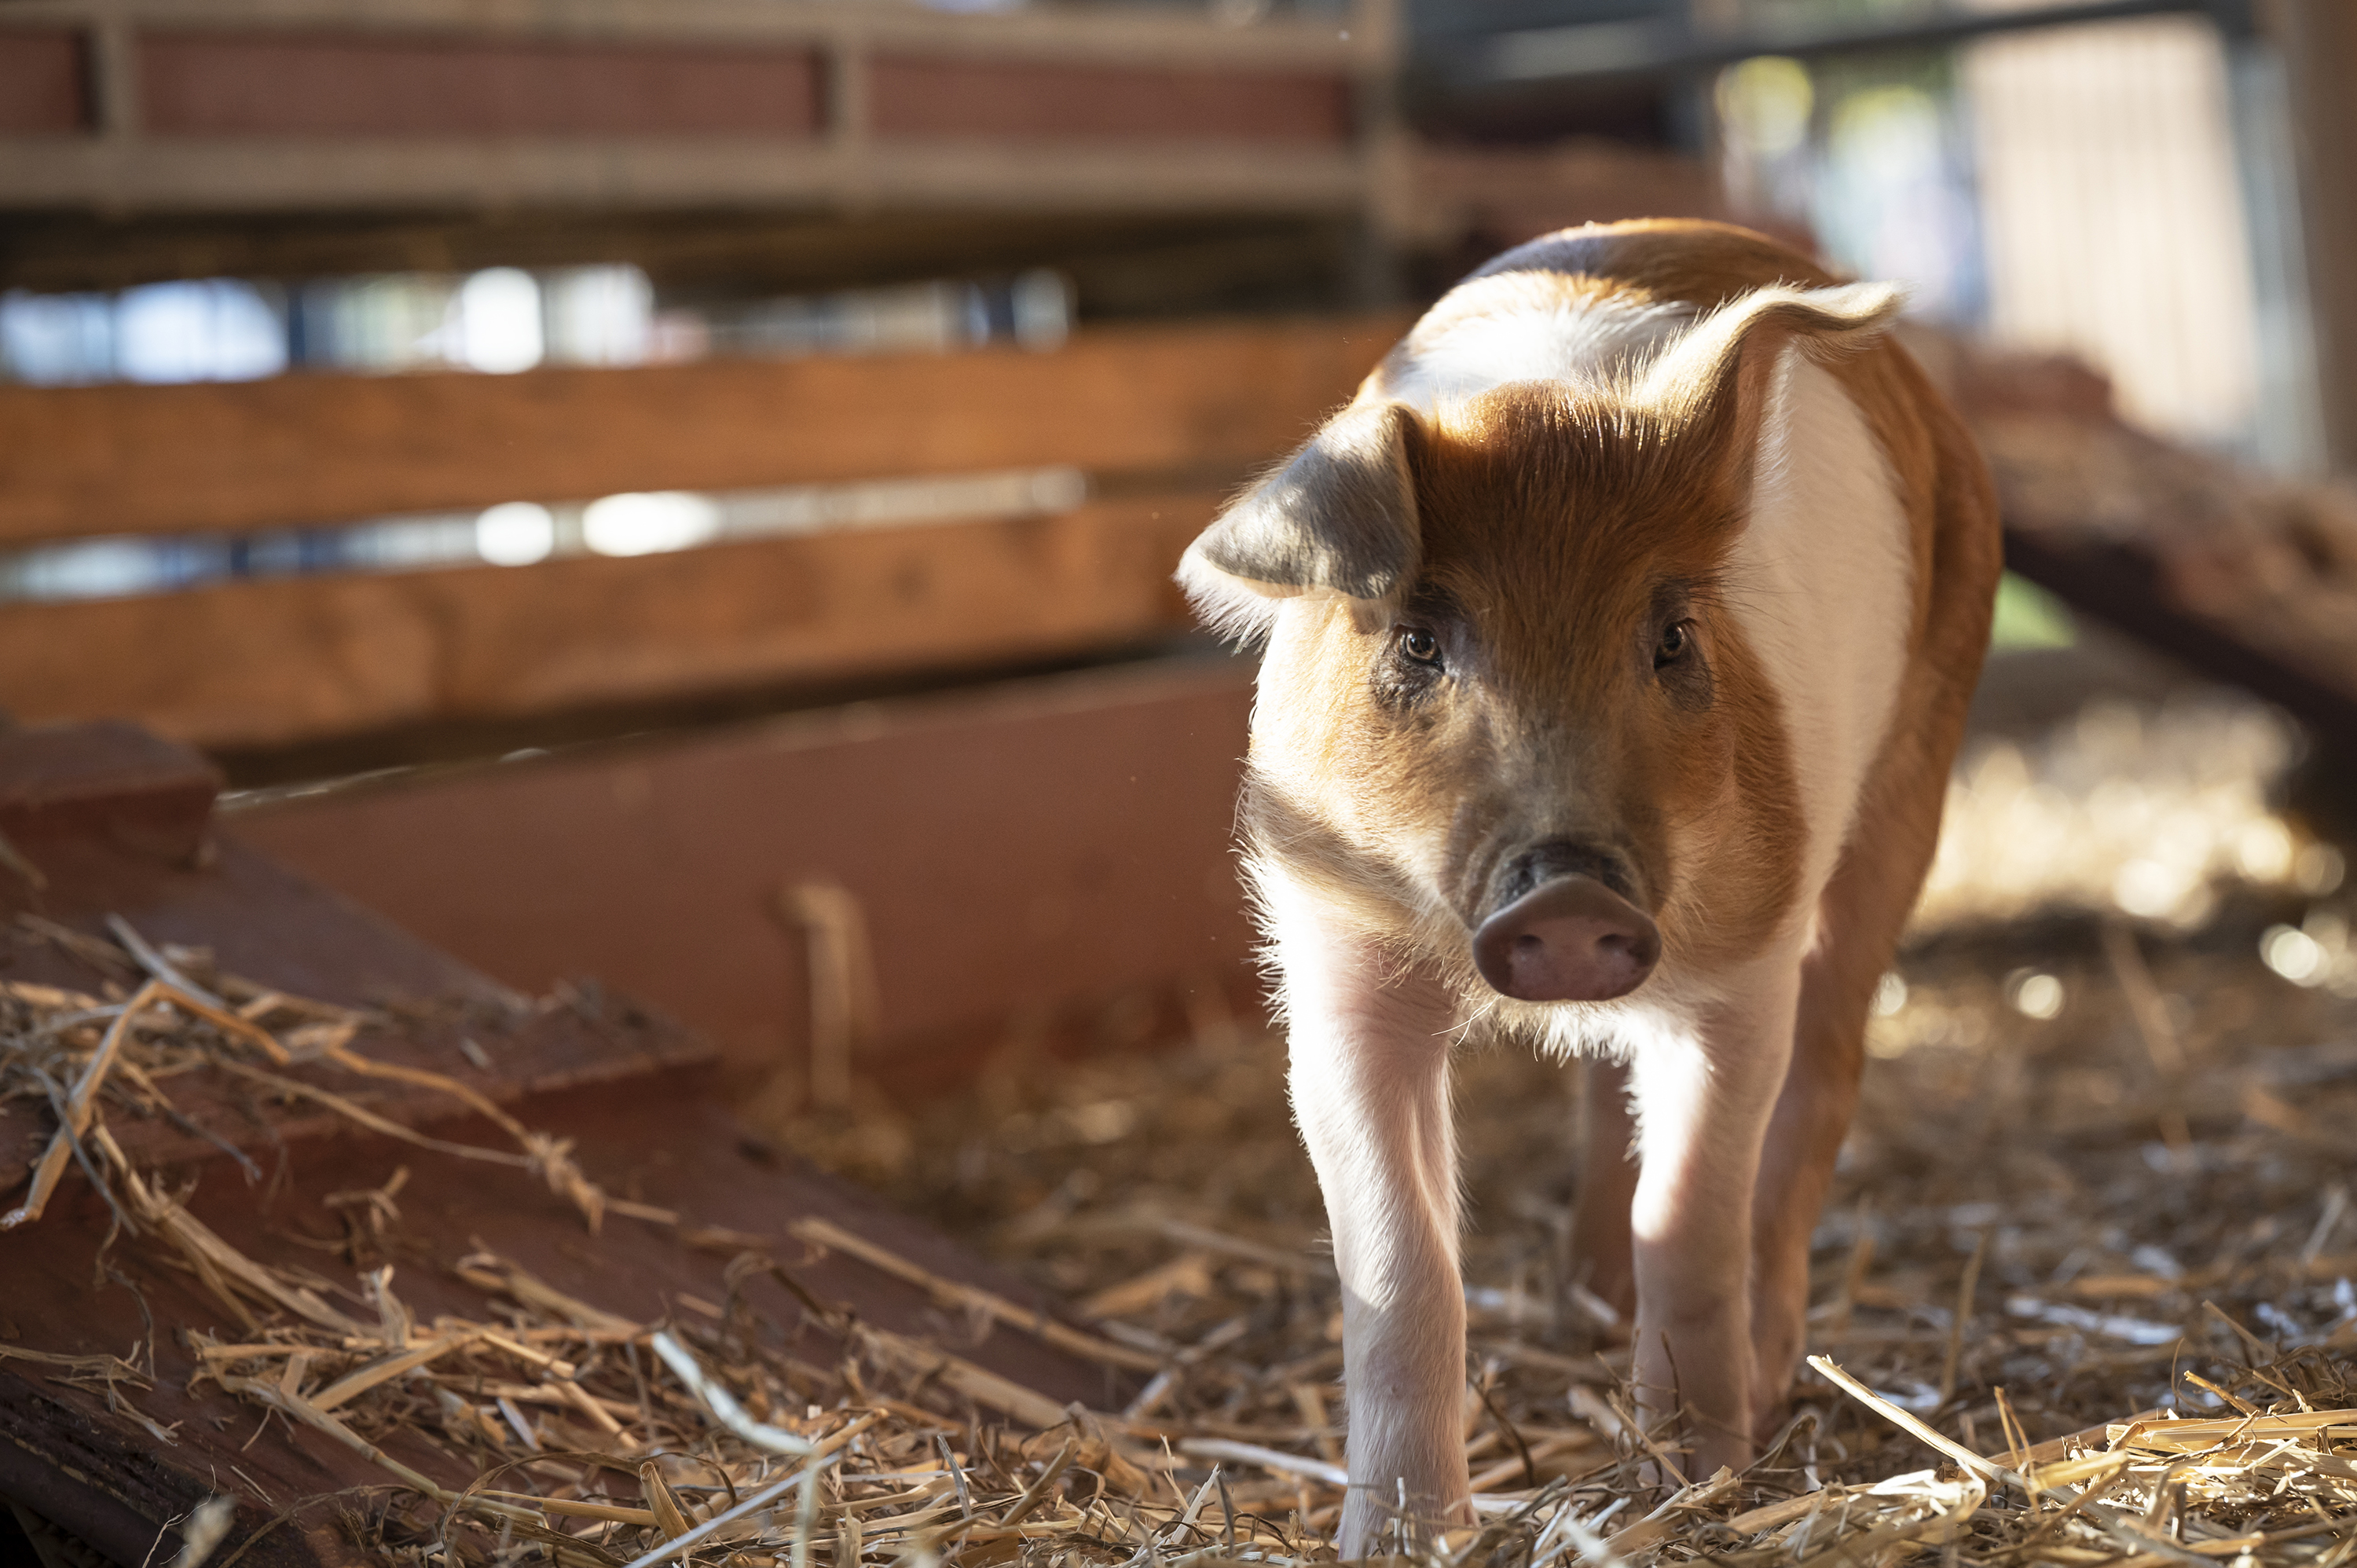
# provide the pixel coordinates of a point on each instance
(1559, 690)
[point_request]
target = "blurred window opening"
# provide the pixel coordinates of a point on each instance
(500, 320)
(1033, 309)
(648, 524)
(496, 326)
(2114, 219)
(516, 533)
(520, 533)
(213, 329)
(2112, 191)
(1873, 157)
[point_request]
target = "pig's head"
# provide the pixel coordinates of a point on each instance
(1507, 710)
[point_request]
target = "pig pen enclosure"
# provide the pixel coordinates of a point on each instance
(354, 1253)
(740, 1045)
(498, 1285)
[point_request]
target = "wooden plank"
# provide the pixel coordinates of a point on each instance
(41, 83)
(106, 819)
(2125, 587)
(2319, 39)
(280, 930)
(912, 96)
(1161, 35)
(1046, 852)
(317, 449)
(275, 662)
(663, 175)
(321, 84)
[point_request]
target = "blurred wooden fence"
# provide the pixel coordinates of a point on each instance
(1163, 420)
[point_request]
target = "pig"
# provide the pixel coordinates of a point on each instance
(1616, 641)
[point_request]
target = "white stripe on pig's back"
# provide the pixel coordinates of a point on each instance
(1820, 582)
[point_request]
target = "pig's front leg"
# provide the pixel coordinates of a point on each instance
(1370, 1083)
(1704, 1099)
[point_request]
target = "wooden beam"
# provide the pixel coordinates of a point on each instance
(2319, 39)
(294, 174)
(1119, 33)
(525, 133)
(272, 662)
(301, 450)
(270, 82)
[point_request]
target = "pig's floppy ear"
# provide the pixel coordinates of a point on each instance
(1723, 366)
(1338, 517)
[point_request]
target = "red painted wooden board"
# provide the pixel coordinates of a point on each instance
(1048, 847)
(216, 84)
(914, 97)
(43, 81)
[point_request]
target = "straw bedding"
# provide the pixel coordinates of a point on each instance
(2084, 1297)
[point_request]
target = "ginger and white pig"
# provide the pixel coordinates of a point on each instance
(1619, 636)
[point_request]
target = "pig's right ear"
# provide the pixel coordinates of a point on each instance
(1339, 518)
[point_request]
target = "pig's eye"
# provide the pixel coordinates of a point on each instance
(1417, 643)
(1677, 638)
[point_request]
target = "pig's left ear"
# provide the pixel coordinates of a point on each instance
(1338, 517)
(1723, 367)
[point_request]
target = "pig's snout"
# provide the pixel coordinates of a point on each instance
(1570, 939)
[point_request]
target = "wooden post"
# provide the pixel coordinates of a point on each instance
(2319, 42)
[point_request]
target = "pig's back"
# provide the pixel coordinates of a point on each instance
(1682, 261)
(1580, 305)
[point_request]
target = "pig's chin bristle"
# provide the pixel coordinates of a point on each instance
(1591, 1031)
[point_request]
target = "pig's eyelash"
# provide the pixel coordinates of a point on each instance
(1707, 590)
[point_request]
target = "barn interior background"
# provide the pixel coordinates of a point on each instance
(593, 684)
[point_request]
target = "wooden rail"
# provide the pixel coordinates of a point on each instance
(277, 661)
(148, 107)
(323, 449)
(271, 663)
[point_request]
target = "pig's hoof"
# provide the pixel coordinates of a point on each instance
(1571, 939)
(1373, 1526)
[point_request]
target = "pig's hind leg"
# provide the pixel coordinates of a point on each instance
(1607, 1185)
(1805, 1139)
(1370, 1084)
(1858, 921)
